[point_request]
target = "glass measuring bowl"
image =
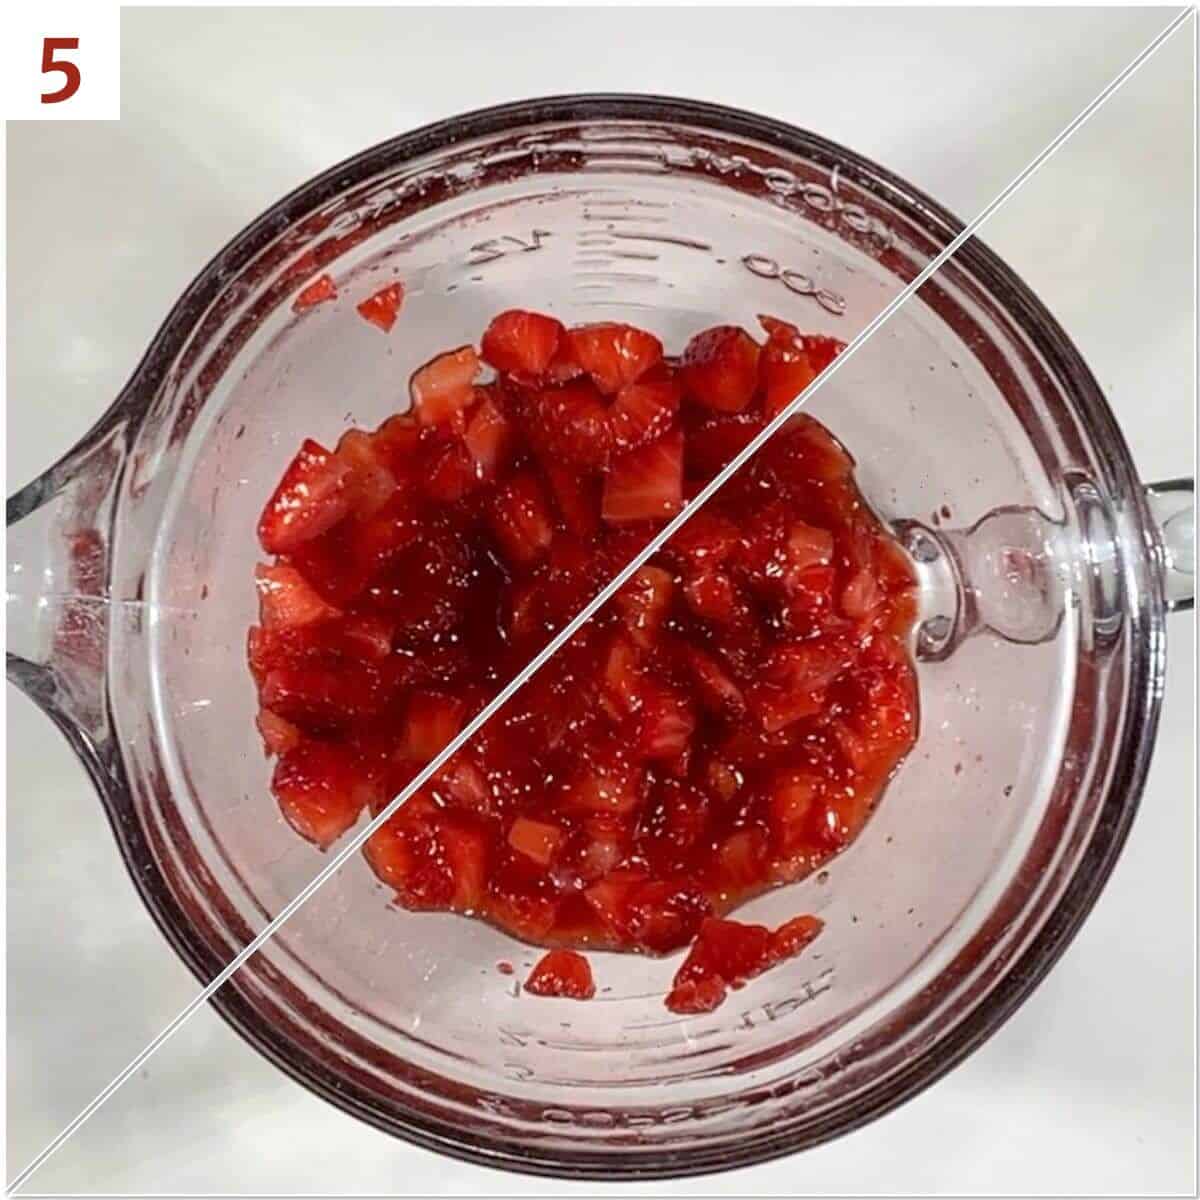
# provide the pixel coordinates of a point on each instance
(1045, 573)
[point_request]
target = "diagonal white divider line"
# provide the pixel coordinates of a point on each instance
(589, 610)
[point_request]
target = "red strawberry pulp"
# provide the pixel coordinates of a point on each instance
(724, 725)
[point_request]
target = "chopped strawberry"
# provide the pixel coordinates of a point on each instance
(665, 725)
(319, 790)
(715, 689)
(433, 720)
(822, 351)
(861, 595)
(537, 840)
(623, 681)
(792, 937)
(573, 425)
(613, 354)
(527, 912)
(643, 603)
(784, 367)
(577, 498)
(705, 541)
(445, 386)
(645, 484)
(382, 308)
(520, 519)
(285, 599)
(712, 446)
(370, 483)
(451, 474)
(321, 289)
(643, 411)
(519, 342)
(562, 973)
(711, 594)
(792, 796)
(311, 497)
(489, 438)
(395, 442)
(740, 858)
(720, 368)
(279, 736)
(367, 636)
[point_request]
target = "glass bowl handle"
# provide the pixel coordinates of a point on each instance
(58, 606)
(1172, 504)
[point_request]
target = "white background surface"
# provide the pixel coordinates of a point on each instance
(1089, 1088)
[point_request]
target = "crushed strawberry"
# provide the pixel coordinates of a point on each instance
(726, 724)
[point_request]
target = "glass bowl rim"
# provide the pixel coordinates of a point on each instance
(1119, 806)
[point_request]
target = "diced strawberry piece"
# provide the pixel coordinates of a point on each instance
(408, 856)
(697, 995)
(321, 289)
(804, 450)
(573, 425)
(371, 483)
(784, 368)
(792, 937)
(279, 736)
(489, 438)
(286, 600)
(794, 678)
(464, 848)
(622, 679)
(423, 587)
(462, 782)
(645, 484)
(321, 696)
(666, 723)
(808, 546)
(367, 636)
(445, 386)
(382, 308)
(452, 474)
(562, 973)
(376, 539)
(720, 368)
(659, 916)
(790, 805)
(613, 354)
(536, 840)
(433, 719)
(520, 519)
(311, 497)
(319, 790)
(672, 825)
(643, 603)
(606, 782)
(861, 595)
(525, 912)
(715, 689)
(711, 594)
(740, 857)
(644, 411)
(519, 342)
(577, 498)
(822, 351)
(705, 541)
(395, 442)
(712, 446)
